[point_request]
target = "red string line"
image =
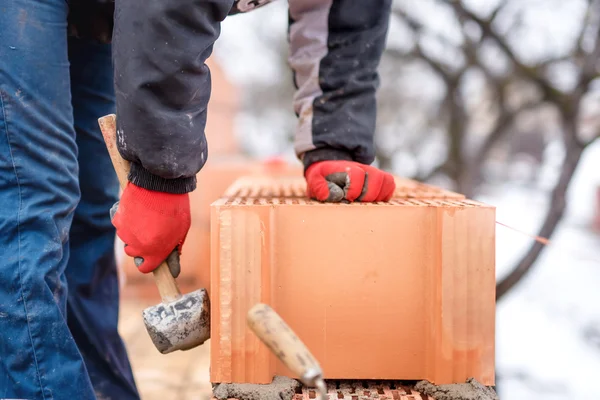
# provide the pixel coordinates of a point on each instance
(542, 240)
(547, 242)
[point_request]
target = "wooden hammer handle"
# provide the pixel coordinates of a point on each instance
(167, 286)
(283, 342)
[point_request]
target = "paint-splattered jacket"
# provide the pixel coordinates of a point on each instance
(163, 84)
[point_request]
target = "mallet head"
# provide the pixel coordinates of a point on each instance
(181, 324)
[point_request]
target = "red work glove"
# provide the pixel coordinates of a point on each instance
(152, 225)
(335, 181)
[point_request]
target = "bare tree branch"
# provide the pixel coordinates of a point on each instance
(440, 169)
(418, 54)
(589, 12)
(445, 73)
(503, 122)
(456, 165)
(533, 73)
(496, 12)
(553, 217)
(462, 168)
(589, 69)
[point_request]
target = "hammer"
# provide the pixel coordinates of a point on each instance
(272, 330)
(180, 322)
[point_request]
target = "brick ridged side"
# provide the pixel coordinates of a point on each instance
(240, 281)
(403, 290)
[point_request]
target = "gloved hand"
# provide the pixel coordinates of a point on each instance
(153, 225)
(91, 19)
(335, 181)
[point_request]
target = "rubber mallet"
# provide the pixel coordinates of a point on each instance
(180, 322)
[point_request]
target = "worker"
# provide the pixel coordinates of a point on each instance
(59, 293)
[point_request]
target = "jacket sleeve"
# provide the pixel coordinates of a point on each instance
(335, 50)
(163, 87)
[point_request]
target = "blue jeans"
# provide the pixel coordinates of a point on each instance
(58, 280)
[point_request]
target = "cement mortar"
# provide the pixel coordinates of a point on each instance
(282, 388)
(471, 390)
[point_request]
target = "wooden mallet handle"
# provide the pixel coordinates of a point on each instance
(283, 342)
(167, 286)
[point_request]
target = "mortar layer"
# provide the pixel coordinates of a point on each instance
(282, 388)
(471, 390)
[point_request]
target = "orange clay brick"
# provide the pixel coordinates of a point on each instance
(398, 290)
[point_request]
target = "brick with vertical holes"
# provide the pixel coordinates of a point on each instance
(398, 290)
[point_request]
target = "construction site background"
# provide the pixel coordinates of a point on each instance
(463, 106)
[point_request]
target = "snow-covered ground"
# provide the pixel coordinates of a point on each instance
(548, 327)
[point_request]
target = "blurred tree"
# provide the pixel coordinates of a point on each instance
(492, 82)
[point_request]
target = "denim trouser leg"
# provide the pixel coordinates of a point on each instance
(93, 301)
(38, 194)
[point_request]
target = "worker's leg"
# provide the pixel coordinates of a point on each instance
(335, 49)
(93, 301)
(38, 192)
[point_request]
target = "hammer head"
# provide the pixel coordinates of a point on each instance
(181, 324)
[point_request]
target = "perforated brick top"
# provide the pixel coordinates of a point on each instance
(252, 190)
(295, 187)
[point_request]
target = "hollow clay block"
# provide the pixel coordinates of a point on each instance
(398, 290)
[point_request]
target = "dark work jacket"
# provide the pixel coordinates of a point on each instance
(163, 85)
